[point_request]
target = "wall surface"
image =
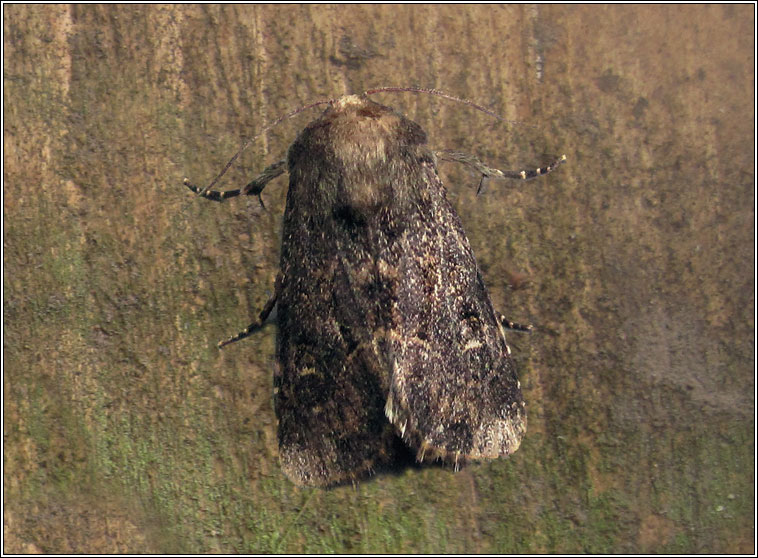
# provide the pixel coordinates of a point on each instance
(126, 430)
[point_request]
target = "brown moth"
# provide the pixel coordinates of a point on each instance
(385, 326)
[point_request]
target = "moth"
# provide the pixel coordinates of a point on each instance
(385, 327)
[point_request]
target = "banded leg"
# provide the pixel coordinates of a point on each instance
(257, 324)
(514, 326)
(253, 188)
(488, 172)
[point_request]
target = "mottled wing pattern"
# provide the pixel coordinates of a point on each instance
(382, 310)
(454, 393)
(333, 377)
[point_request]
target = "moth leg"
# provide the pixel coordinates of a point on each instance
(257, 324)
(514, 326)
(253, 188)
(489, 172)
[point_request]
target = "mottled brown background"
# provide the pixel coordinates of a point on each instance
(125, 430)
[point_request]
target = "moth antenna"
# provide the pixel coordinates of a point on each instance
(259, 134)
(444, 95)
(296, 111)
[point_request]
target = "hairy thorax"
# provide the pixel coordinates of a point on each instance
(366, 150)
